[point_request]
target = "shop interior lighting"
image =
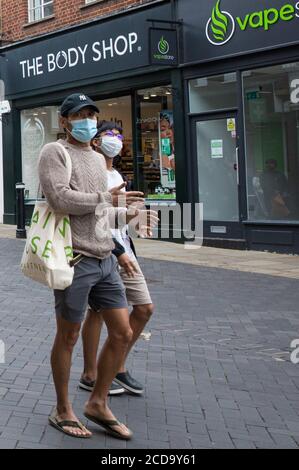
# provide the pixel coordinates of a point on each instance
(201, 82)
(229, 78)
(293, 66)
(263, 92)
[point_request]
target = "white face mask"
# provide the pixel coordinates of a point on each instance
(111, 146)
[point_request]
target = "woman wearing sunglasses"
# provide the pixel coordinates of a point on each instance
(109, 142)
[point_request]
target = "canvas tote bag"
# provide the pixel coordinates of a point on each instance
(48, 248)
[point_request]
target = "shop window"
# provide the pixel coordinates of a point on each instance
(119, 110)
(272, 142)
(213, 93)
(39, 9)
(156, 149)
(39, 126)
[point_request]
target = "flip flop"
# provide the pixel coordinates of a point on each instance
(53, 421)
(108, 424)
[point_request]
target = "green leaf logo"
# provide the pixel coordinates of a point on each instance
(163, 46)
(220, 27)
(219, 23)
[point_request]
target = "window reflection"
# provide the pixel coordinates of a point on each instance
(39, 126)
(213, 93)
(272, 143)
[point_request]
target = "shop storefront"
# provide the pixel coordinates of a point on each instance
(118, 63)
(40, 125)
(241, 90)
(221, 127)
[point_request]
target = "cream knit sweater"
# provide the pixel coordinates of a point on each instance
(79, 198)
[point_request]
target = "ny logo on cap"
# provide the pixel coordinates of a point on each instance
(82, 98)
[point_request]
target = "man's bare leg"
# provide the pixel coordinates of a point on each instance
(61, 356)
(91, 333)
(139, 317)
(111, 357)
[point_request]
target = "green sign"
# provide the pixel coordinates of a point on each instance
(163, 46)
(253, 95)
(222, 25)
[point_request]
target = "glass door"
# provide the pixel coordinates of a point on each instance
(216, 145)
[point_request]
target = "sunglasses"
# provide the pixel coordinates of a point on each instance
(111, 134)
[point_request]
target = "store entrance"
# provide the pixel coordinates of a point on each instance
(156, 143)
(147, 160)
(215, 143)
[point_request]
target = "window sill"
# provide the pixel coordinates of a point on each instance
(43, 20)
(169, 202)
(269, 222)
(96, 2)
(87, 5)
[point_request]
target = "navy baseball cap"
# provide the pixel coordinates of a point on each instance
(108, 126)
(73, 103)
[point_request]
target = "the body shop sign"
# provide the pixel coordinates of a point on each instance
(75, 56)
(101, 49)
(227, 27)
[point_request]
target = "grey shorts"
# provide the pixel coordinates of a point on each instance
(96, 283)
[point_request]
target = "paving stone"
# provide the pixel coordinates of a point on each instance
(32, 445)
(239, 444)
(285, 442)
(8, 443)
(17, 422)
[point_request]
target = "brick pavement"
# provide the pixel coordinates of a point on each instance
(216, 369)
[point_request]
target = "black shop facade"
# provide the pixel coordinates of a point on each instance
(127, 63)
(216, 123)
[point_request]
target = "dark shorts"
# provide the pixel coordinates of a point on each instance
(96, 283)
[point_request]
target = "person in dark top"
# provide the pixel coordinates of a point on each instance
(275, 188)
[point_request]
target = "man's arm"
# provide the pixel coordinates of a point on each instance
(124, 260)
(53, 178)
(119, 249)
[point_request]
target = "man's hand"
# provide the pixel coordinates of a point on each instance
(123, 199)
(142, 221)
(127, 264)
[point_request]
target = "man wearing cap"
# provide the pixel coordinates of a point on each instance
(96, 279)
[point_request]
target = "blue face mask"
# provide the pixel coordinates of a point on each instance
(84, 130)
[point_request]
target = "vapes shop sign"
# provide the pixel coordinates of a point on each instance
(222, 25)
(101, 49)
(226, 27)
